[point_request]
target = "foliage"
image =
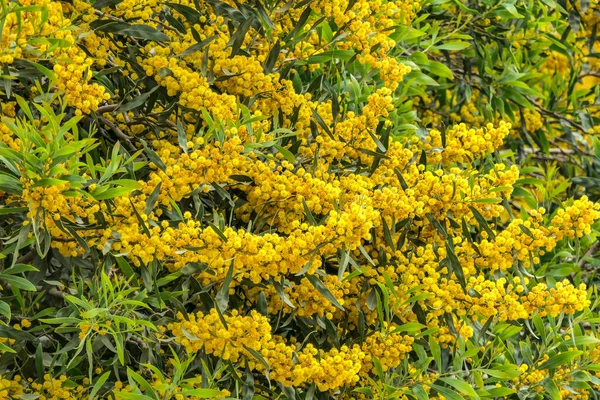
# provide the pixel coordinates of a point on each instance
(303, 199)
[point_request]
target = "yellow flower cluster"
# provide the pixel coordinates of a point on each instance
(495, 299)
(207, 332)
(73, 78)
(533, 120)
(43, 31)
(464, 145)
(564, 297)
(310, 302)
(55, 389)
(9, 388)
(193, 89)
(532, 377)
(389, 348)
(7, 110)
(575, 220)
(469, 113)
(329, 370)
(366, 23)
(279, 193)
(20, 28)
(51, 203)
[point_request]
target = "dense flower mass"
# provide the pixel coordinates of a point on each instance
(303, 199)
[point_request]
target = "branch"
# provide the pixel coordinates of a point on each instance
(106, 108)
(591, 251)
(559, 117)
(27, 258)
(118, 132)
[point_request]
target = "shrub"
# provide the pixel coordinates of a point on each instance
(299, 199)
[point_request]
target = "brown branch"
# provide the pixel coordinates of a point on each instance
(595, 75)
(591, 251)
(118, 132)
(559, 117)
(138, 341)
(72, 239)
(107, 108)
(27, 258)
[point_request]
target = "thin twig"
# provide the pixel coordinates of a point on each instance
(591, 251)
(27, 258)
(106, 108)
(559, 117)
(118, 132)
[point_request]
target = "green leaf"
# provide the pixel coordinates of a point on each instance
(17, 282)
(25, 107)
(436, 352)
(540, 327)
(461, 386)
(144, 32)
(202, 393)
(10, 184)
(560, 359)
(437, 225)
(191, 14)
(420, 392)
(47, 72)
(288, 155)
(482, 222)
(309, 214)
(20, 268)
(153, 156)
(61, 320)
(260, 358)
(489, 200)
(332, 55)
(453, 45)
(98, 385)
(449, 394)
(222, 298)
(218, 231)
(5, 349)
(496, 373)
(512, 10)
(455, 265)
(237, 38)
(132, 396)
(12, 210)
(151, 201)
(135, 377)
(500, 392)
(439, 69)
(137, 101)
(272, 57)
(592, 367)
(115, 192)
(282, 294)
(5, 310)
(198, 46)
(321, 288)
(410, 327)
(182, 137)
(552, 389)
(581, 340)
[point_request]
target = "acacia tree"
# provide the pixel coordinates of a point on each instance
(298, 199)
